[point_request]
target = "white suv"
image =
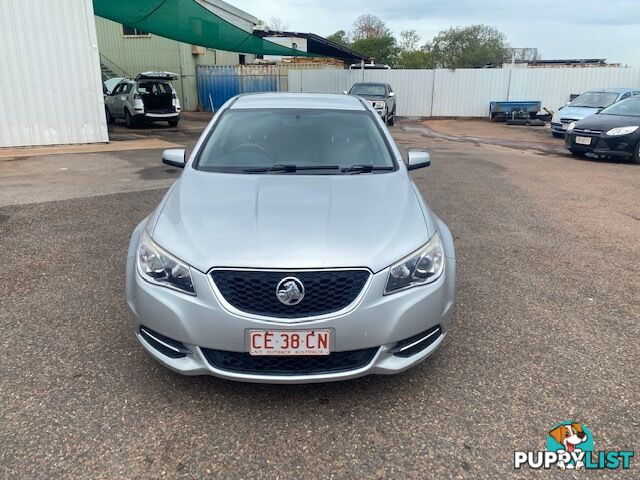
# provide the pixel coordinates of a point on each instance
(148, 98)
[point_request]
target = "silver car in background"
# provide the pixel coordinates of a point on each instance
(149, 97)
(294, 248)
(587, 104)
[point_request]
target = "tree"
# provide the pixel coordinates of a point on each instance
(469, 47)
(277, 25)
(409, 40)
(340, 37)
(369, 26)
(381, 49)
(416, 59)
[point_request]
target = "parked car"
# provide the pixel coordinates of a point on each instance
(381, 96)
(293, 248)
(588, 103)
(614, 132)
(149, 97)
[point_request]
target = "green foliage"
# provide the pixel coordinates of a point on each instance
(469, 47)
(416, 59)
(340, 37)
(381, 49)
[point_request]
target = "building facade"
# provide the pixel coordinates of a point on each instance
(125, 52)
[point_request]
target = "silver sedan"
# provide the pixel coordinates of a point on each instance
(294, 248)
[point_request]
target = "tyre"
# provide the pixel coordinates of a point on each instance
(516, 121)
(577, 153)
(110, 120)
(173, 123)
(128, 121)
(558, 135)
(391, 119)
(636, 155)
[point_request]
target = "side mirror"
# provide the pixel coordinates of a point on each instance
(392, 94)
(174, 157)
(418, 159)
(345, 92)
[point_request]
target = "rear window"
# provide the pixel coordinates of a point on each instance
(629, 107)
(369, 90)
(595, 99)
(155, 88)
(255, 138)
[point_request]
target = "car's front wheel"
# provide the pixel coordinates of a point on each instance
(576, 152)
(173, 123)
(391, 118)
(636, 155)
(558, 135)
(128, 121)
(108, 115)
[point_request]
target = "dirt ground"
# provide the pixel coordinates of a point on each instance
(545, 328)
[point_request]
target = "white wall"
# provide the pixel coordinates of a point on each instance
(49, 74)
(467, 92)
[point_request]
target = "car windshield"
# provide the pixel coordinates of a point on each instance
(627, 108)
(369, 90)
(595, 100)
(314, 141)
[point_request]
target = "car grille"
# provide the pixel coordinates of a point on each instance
(568, 120)
(292, 365)
(254, 291)
(582, 131)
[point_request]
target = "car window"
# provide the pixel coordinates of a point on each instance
(629, 107)
(117, 89)
(257, 138)
(126, 88)
(595, 99)
(625, 96)
(369, 90)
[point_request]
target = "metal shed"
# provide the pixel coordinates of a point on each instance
(51, 84)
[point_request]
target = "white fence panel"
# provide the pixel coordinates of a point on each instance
(413, 89)
(322, 81)
(553, 86)
(467, 92)
(50, 74)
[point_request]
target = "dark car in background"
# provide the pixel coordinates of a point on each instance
(614, 132)
(381, 97)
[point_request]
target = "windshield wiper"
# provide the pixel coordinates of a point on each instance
(365, 169)
(290, 168)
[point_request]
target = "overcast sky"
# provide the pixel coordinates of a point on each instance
(558, 28)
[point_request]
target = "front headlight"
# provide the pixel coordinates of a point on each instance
(421, 267)
(379, 105)
(571, 126)
(616, 132)
(555, 118)
(160, 267)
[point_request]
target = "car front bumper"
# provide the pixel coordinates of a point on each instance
(203, 322)
(620, 146)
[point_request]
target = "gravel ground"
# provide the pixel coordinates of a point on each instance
(546, 328)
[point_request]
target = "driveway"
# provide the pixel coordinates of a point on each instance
(546, 329)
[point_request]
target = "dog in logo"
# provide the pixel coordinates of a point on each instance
(570, 436)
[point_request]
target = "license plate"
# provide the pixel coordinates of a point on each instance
(289, 342)
(583, 140)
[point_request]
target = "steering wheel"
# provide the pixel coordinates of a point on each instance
(248, 147)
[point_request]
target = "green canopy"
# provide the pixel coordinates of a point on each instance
(188, 21)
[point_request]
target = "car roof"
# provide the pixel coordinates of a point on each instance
(611, 90)
(298, 100)
(370, 83)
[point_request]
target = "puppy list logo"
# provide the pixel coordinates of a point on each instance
(570, 446)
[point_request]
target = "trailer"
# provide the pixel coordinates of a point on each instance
(514, 111)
